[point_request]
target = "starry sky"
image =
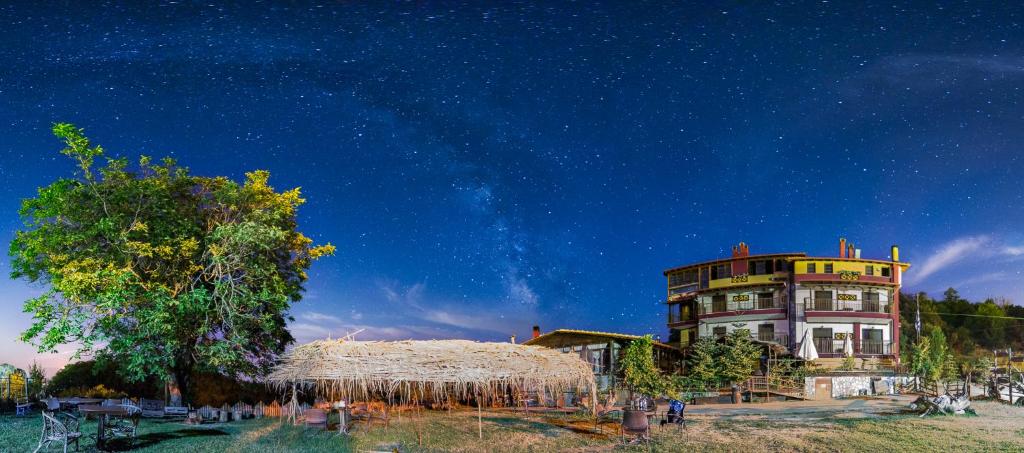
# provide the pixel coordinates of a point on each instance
(483, 168)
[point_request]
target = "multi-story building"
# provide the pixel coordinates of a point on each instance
(784, 298)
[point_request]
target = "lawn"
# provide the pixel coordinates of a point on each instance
(996, 428)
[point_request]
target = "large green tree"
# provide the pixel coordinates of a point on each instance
(161, 271)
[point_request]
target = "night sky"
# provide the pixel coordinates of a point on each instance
(482, 169)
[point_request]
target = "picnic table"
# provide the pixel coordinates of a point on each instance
(76, 401)
(104, 412)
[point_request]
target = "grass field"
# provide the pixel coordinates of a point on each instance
(996, 428)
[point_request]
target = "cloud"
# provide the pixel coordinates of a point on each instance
(313, 316)
(1013, 250)
(937, 71)
(950, 253)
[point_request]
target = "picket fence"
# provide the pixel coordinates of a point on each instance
(259, 410)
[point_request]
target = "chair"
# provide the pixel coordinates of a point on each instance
(22, 407)
(635, 422)
(124, 427)
(675, 414)
(315, 417)
(606, 413)
(55, 431)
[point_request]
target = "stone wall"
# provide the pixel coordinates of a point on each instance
(847, 386)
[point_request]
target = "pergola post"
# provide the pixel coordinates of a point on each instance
(479, 418)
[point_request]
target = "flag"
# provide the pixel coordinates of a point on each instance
(917, 320)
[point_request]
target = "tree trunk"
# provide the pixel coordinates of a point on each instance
(177, 386)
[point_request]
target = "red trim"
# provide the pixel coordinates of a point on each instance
(833, 278)
(765, 311)
(794, 255)
(846, 314)
(683, 324)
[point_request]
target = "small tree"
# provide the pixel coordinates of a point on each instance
(702, 364)
(36, 379)
(641, 375)
(740, 357)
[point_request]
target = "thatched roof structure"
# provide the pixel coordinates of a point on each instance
(436, 369)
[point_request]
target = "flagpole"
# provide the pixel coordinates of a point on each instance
(917, 323)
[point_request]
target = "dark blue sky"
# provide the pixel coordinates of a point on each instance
(482, 169)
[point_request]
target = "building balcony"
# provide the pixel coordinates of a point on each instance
(677, 318)
(828, 347)
(739, 306)
(836, 307)
(763, 337)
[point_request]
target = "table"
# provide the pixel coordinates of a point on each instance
(78, 401)
(104, 412)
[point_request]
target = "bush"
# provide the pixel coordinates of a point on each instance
(99, 391)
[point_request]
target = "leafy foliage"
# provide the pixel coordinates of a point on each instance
(932, 359)
(160, 270)
(703, 368)
(641, 375)
(740, 357)
(36, 380)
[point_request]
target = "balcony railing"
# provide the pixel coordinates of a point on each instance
(763, 303)
(857, 305)
(764, 337)
(674, 317)
(835, 348)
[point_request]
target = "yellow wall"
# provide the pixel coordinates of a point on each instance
(840, 266)
(738, 280)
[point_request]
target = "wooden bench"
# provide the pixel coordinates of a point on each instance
(176, 411)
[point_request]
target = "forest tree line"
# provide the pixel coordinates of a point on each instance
(970, 328)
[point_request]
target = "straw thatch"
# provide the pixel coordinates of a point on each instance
(438, 370)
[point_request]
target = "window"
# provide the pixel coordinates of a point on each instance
(759, 267)
(885, 272)
(823, 300)
(766, 332)
(823, 340)
(703, 277)
(718, 332)
(718, 303)
(871, 302)
(828, 268)
(869, 270)
(764, 300)
(871, 341)
(721, 271)
(812, 268)
(682, 278)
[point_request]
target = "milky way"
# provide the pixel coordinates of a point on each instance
(482, 169)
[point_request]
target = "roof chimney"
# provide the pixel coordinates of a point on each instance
(842, 247)
(856, 253)
(744, 250)
(849, 250)
(735, 251)
(536, 331)
(895, 252)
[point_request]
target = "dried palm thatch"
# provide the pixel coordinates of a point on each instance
(438, 370)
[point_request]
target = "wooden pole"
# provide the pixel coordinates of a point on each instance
(479, 419)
